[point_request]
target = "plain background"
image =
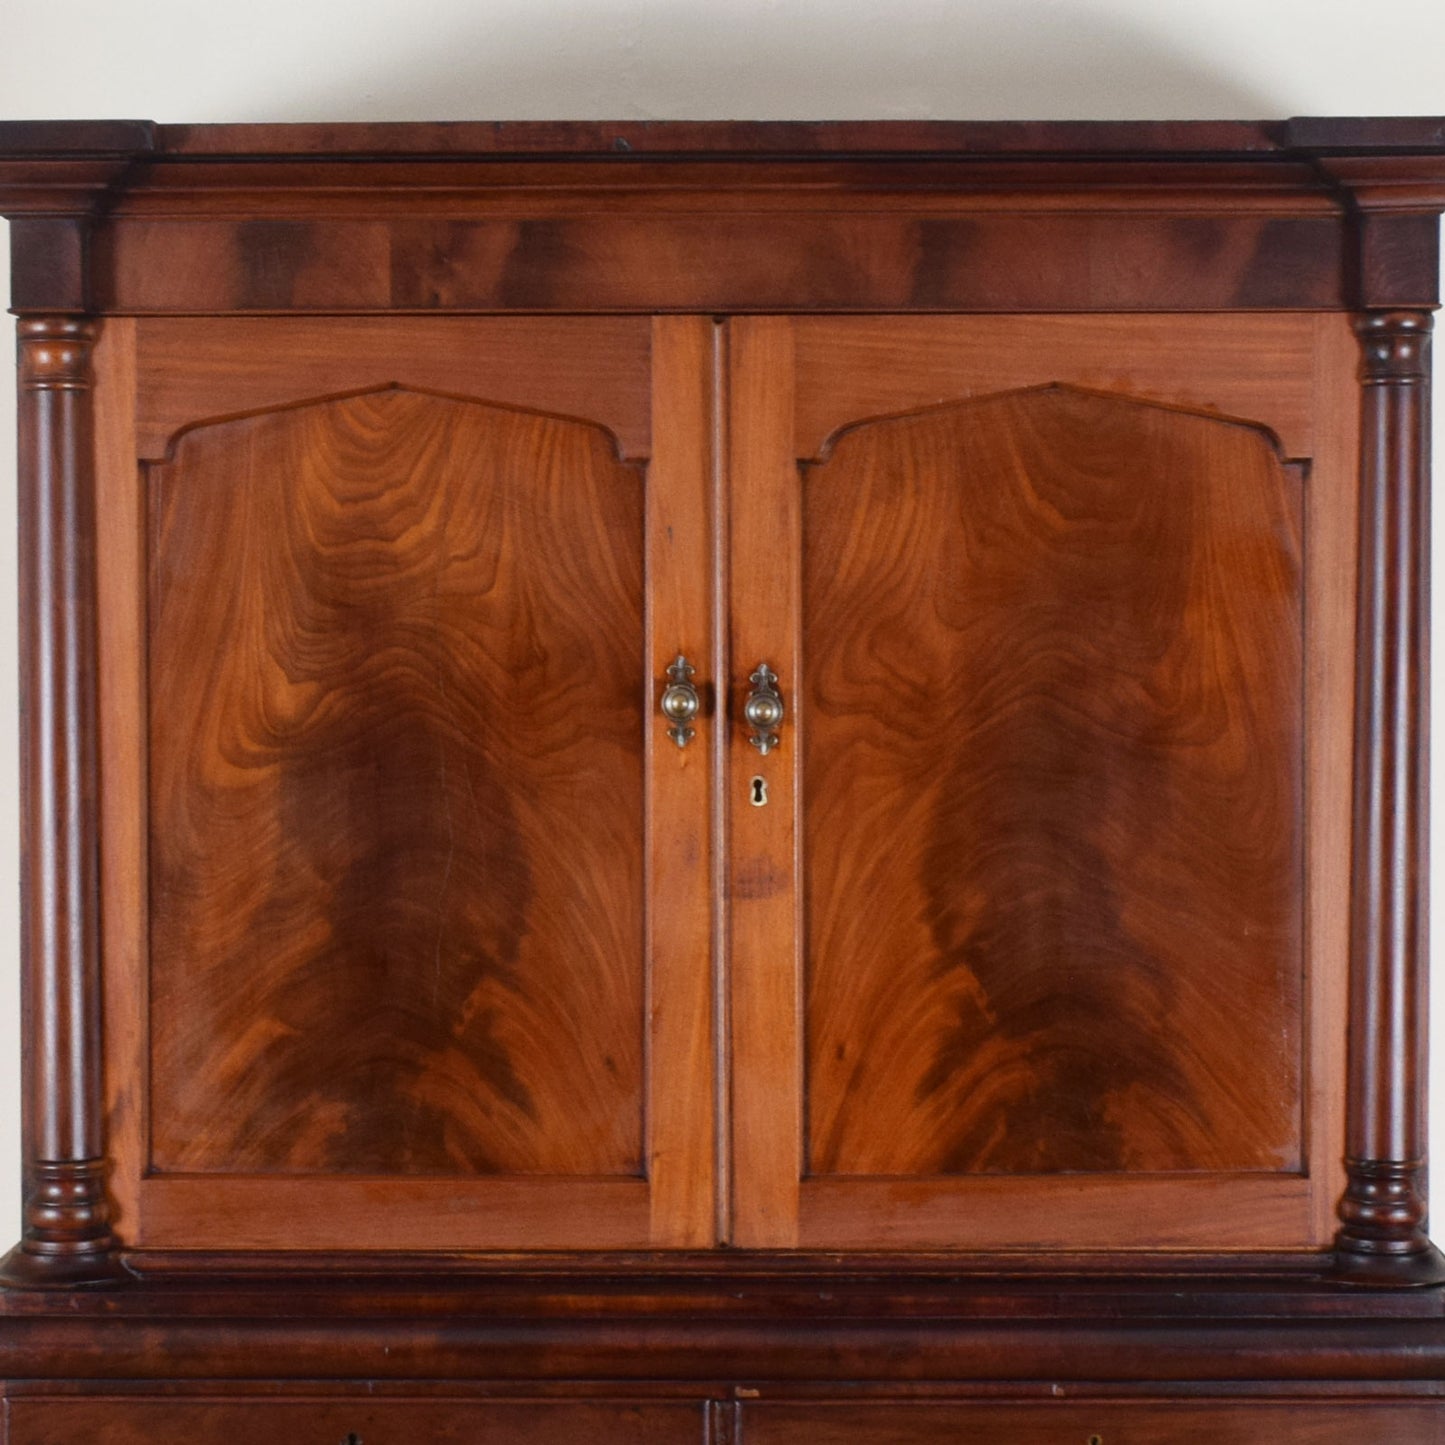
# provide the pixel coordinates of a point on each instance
(293, 60)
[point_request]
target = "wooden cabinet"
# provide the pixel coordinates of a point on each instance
(415, 951)
(724, 783)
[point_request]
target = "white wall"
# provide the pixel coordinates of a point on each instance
(288, 60)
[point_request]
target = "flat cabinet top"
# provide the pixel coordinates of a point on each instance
(1302, 135)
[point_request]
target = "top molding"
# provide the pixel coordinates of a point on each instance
(1298, 138)
(1164, 215)
(85, 168)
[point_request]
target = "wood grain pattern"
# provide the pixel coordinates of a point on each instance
(119, 1421)
(620, 141)
(682, 1143)
(195, 368)
(121, 596)
(1053, 793)
(336, 1212)
(1332, 535)
(1120, 1213)
(860, 366)
(979, 1306)
(1117, 1422)
(395, 794)
(710, 260)
(857, 1326)
(763, 923)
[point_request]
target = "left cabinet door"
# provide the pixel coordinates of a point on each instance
(405, 882)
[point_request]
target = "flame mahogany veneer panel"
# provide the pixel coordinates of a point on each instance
(857, 257)
(1052, 793)
(396, 794)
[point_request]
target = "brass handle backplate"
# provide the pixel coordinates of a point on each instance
(764, 709)
(680, 702)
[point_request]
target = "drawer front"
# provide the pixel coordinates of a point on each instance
(1105, 1423)
(350, 1422)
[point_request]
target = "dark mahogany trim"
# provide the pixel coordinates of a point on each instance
(808, 1349)
(67, 1238)
(747, 1285)
(75, 137)
(1359, 135)
(754, 138)
(759, 139)
(1382, 1238)
(745, 1319)
(1398, 259)
(805, 138)
(50, 264)
(886, 259)
(77, 167)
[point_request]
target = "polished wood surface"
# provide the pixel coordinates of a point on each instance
(892, 257)
(685, 1327)
(764, 942)
(1117, 1422)
(1087, 139)
(67, 1235)
(686, 1161)
(247, 376)
(1007, 622)
(352, 1422)
(210, 368)
(121, 623)
(130, 216)
(42, 1421)
(1052, 792)
(318, 1185)
(859, 367)
(395, 719)
(1383, 1210)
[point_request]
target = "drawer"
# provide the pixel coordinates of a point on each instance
(1110, 1422)
(109, 1421)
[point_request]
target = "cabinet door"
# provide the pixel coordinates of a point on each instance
(1038, 941)
(418, 956)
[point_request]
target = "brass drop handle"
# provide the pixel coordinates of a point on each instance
(764, 709)
(680, 702)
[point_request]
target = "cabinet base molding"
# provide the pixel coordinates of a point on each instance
(361, 1418)
(914, 1330)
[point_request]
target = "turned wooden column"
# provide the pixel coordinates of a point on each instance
(1382, 1235)
(67, 1238)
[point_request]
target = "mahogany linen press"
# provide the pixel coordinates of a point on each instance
(737, 783)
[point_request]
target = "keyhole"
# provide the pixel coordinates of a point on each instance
(760, 793)
(1095, 1440)
(352, 1438)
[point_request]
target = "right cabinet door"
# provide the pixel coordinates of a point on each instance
(1038, 941)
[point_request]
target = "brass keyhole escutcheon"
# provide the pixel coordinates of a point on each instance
(759, 795)
(352, 1438)
(1095, 1440)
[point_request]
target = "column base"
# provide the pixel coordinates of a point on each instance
(24, 1268)
(1418, 1269)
